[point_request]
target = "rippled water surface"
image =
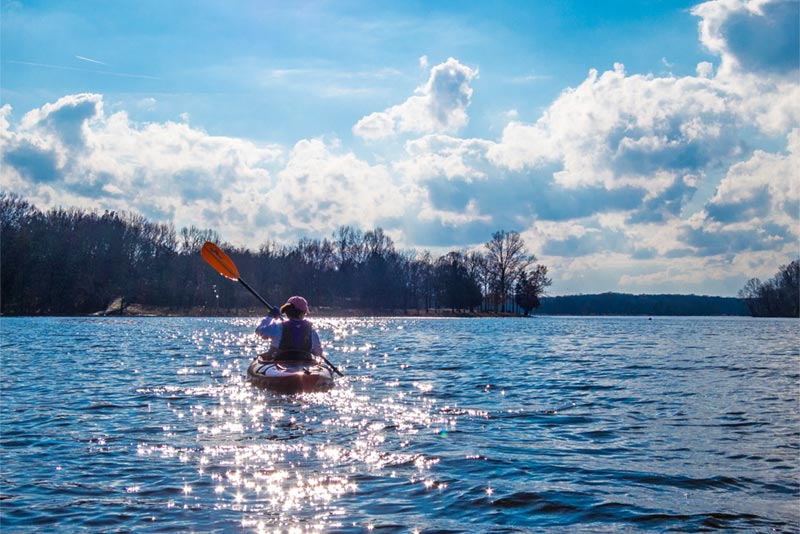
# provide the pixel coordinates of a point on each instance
(440, 425)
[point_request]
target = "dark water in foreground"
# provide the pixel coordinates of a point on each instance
(452, 425)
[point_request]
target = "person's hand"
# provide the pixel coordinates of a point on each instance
(275, 312)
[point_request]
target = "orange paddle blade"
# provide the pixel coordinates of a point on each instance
(219, 261)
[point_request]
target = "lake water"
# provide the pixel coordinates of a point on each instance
(550, 424)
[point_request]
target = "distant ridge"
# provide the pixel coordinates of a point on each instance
(628, 304)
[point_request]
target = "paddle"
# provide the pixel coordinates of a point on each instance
(220, 261)
(225, 266)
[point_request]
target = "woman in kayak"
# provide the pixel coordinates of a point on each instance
(293, 339)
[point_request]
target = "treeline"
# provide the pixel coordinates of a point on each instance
(651, 305)
(70, 261)
(777, 297)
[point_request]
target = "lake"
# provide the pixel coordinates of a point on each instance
(556, 424)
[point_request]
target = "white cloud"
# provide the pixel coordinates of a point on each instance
(71, 153)
(777, 173)
(148, 104)
(322, 187)
(759, 197)
(615, 126)
(439, 106)
(432, 156)
(752, 35)
(705, 69)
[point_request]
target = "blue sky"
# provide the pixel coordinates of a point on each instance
(636, 146)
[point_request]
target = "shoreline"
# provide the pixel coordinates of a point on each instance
(602, 305)
(143, 311)
(137, 310)
(116, 309)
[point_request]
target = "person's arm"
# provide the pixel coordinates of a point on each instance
(270, 327)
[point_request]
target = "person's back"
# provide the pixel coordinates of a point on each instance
(294, 339)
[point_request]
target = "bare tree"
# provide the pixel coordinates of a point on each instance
(190, 240)
(478, 270)
(777, 297)
(350, 245)
(377, 243)
(506, 258)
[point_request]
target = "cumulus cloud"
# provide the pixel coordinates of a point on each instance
(322, 187)
(615, 129)
(71, 153)
(663, 140)
(438, 106)
(755, 207)
(759, 36)
(757, 41)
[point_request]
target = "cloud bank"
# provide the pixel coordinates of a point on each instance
(628, 182)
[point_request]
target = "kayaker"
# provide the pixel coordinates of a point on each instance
(292, 339)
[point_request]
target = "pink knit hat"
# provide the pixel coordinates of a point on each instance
(298, 302)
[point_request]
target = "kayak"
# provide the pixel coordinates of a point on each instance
(290, 376)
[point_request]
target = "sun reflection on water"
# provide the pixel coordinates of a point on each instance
(284, 462)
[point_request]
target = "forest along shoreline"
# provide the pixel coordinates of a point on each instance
(578, 305)
(68, 262)
(139, 310)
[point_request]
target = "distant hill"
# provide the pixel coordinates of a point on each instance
(626, 304)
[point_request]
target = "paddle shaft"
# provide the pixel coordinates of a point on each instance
(324, 359)
(253, 291)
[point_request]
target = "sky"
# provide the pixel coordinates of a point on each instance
(638, 147)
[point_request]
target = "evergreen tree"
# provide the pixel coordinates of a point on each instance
(530, 286)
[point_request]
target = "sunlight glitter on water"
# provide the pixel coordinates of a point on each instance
(291, 459)
(306, 452)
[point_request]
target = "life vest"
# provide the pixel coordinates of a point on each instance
(295, 341)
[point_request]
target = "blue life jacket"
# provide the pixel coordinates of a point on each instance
(295, 340)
